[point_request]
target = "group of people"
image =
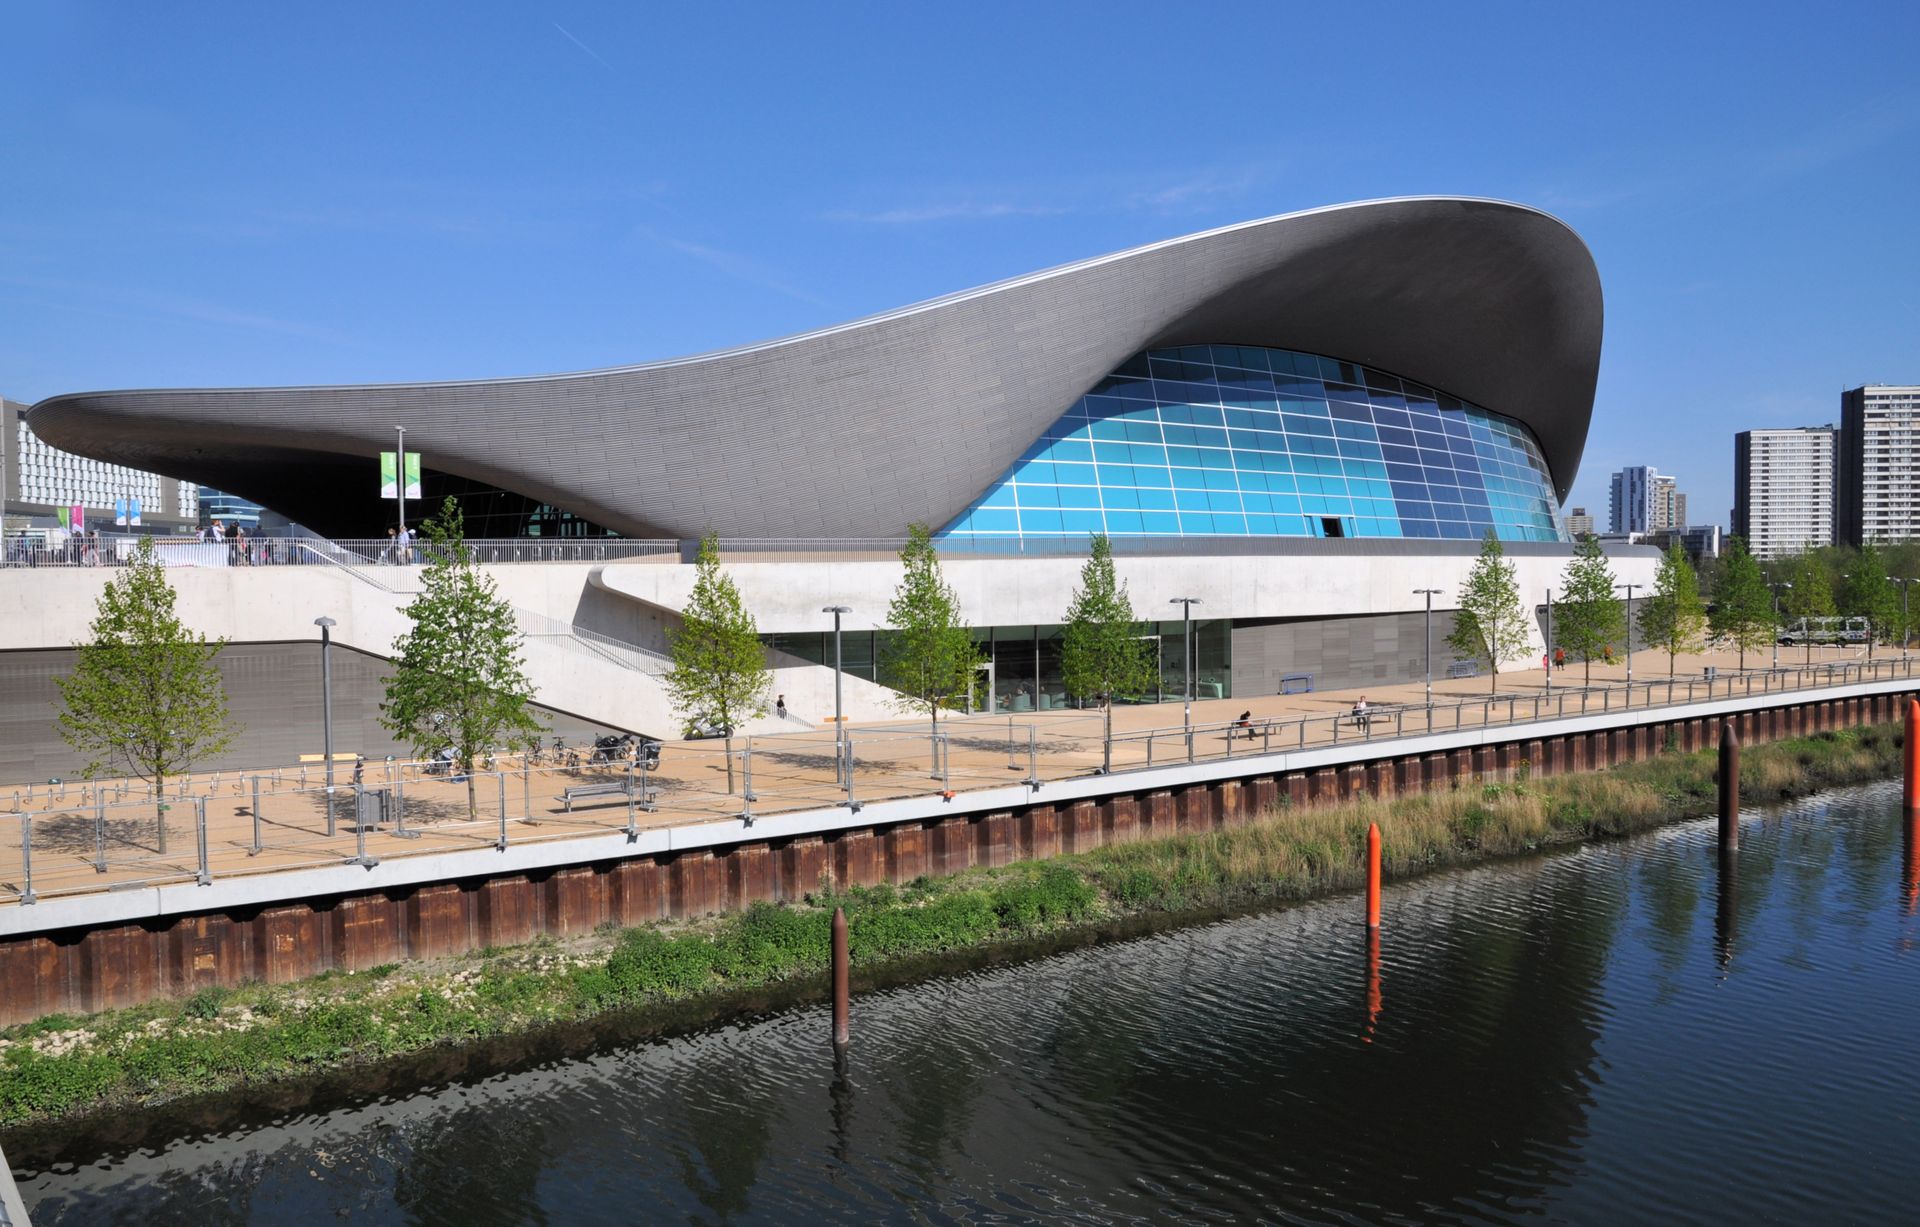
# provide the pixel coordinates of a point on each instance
(400, 543)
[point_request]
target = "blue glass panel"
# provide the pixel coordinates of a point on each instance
(1235, 427)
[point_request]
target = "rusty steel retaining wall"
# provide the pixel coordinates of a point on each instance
(84, 969)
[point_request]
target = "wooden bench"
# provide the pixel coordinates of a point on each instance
(607, 788)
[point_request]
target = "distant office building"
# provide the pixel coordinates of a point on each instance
(1579, 524)
(1879, 469)
(1701, 542)
(1643, 501)
(1784, 489)
(40, 486)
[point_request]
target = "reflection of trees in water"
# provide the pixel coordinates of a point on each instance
(729, 1122)
(1477, 1072)
(473, 1166)
(1669, 888)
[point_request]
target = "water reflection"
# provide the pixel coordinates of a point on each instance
(1573, 1037)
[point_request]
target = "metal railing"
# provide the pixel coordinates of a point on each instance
(116, 549)
(77, 837)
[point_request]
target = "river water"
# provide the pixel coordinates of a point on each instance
(1612, 1034)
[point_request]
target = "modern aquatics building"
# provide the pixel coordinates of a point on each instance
(1298, 421)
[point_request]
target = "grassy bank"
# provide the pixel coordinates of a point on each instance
(222, 1039)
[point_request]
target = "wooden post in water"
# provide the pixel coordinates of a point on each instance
(1373, 875)
(1729, 786)
(840, 977)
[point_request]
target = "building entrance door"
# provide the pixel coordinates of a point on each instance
(980, 688)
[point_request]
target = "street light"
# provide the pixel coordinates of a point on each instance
(1429, 593)
(839, 719)
(326, 626)
(1851, 579)
(1186, 663)
(1630, 588)
(1903, 616)
(1548, 658)
(1776, 618)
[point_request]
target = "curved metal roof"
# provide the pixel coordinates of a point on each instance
(861, 429)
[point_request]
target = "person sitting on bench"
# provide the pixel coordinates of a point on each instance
(1360, 717)
(1245, 721)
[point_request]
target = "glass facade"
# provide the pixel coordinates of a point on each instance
(1020, 665)
(1234, 440)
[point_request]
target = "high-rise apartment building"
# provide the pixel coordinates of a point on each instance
(1879, 477)
(1579, 523)
(41, 486)
(1643, 501)
(1784, 489)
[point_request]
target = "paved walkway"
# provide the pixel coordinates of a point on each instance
(87, 837)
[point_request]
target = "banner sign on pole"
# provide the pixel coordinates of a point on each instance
(133, 518)
(79, 518)
(387, 467)
(126, 512)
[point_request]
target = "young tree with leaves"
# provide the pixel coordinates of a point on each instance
(1587, 616)
(929, 658)
(145, 696)
(1490, 624)
(1104, 651)
(1868, 593)
(1673, 617)
(458, 677)
(1742, 602)
(720, 668)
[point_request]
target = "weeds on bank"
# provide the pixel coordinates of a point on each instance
(220, 1038)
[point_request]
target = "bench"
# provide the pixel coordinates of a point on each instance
(607, 788)
(1377, 713)
(1296, 683)
(1464, 668)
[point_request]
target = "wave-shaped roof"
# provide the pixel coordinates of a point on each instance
(863, 428)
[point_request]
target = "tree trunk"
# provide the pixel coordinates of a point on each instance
(473, 797)
(160, 811)
(1106, 745)
(933, 741)
(728, 739)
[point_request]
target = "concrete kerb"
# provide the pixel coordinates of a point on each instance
(255, 890)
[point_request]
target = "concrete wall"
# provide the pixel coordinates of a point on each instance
(1339, 652)
(273, 692)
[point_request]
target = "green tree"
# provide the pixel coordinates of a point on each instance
(145, 695)
(719, 664)
(1742, 604)
(1812, 594)
(1490, 624)
(1104, 651)
(1587, 617)
(458, 677)
(1673, 617)
(929, 658)
(1868, 593)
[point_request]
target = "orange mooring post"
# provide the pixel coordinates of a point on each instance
(1729, 786)
(839, 977)
(1374, 1000)
(1373, 875)
(1912, 755)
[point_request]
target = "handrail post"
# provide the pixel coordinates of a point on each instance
(503, 811)
(1033, 756)
(946, 762)
(26, 859)
(100, 830)
(853, 804)
(257, 848)
(746, 783)
(200, 830)
(400, 813)
(633, 827)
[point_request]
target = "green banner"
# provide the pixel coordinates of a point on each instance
(387, 466)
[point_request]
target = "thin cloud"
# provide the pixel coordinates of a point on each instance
(733, 264)
(589, 50)
(176, 306)
(968, 211)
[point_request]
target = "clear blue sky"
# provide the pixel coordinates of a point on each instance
(255, 192)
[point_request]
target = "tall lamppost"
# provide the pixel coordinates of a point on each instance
(1777, 588)
(1186, 660)
(1548, 658)
(1629, 588)
(1904, 636)
(1429, 593)
(1850, 580)
(326, 626)
(839, 717)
